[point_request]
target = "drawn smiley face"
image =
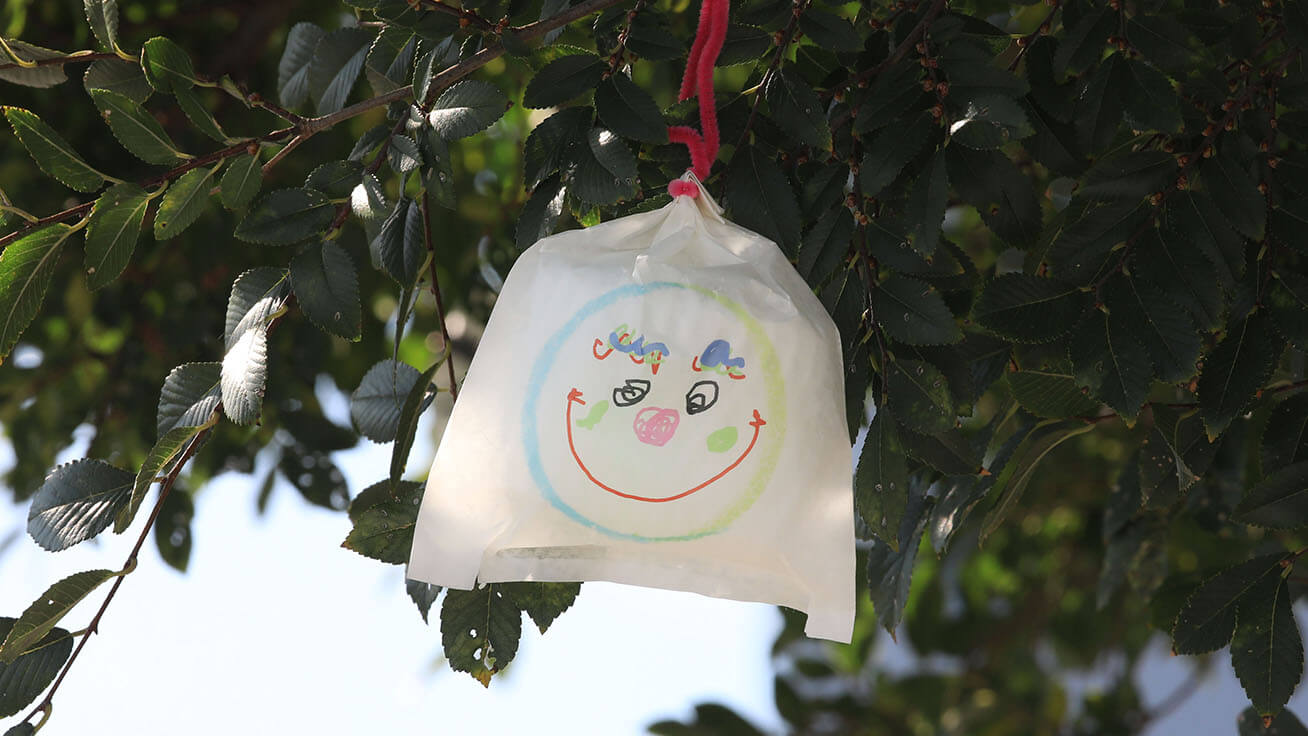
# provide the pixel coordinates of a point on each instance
(656, 412)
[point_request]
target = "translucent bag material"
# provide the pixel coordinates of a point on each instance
(657, 400)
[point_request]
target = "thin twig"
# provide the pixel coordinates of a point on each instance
(164, 489)
(286, 150)
(436, 292)
(462, 14)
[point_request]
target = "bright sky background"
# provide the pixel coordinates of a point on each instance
(276, 627)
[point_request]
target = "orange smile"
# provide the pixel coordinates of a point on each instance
(574, 397)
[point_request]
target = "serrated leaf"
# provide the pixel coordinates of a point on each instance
(112, 231)
(189, 396)
(1288, 305)
(1098, 108)
(1267, 651)
(895, 90)
(286, 216)
(241, 181)
(1017, 473)
(1029, 308)
(826, 245)
(650, 38)
(183, 203)
(1132, 175)
(926, 205)
(172, 530)
(1084, 42)
(550, 145)
(315, 476)
(1235, 193)
(796, 108)
(390, 60)
(46, 611)
(167, 67)
(293, 69)
(562, 79)
(1083, 249)
(167, 449)
(51, 152)
(119, 76)
(403, 154)
(891, 150)
(23, 680)
(1166, 330)
(26, 267)
(914, 312)
(1051, 395)
(829, 31)
(1001, 193)
(258, 296)
(415, 402)
(1236, 370)
(949, 451)
(384, 531)
(761, 198)
(1161, 40)
(1170, 262)
(990, 121)
(188, 99)
(467, 108)
(1109, 360)
(1148, 98)
(136, 129)
(336, 179)
(543, 602)
(375, 405)
(743, 44)
(629, 111)
(399, 247)
(1280, 500)
(337, 60)
(608, 174)
(1206, 621)
(890, 571)
(327, 289)
(35, 76)
(102, 15)
(541, 212)
(881, 480)
(919, 396)
(423, 595)
(479, 631)
(1285, 440)
(77, 501)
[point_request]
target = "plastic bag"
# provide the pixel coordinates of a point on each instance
(657, 400)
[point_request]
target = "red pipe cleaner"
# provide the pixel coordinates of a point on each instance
(704, 52)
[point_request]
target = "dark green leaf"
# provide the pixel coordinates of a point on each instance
(1233, 190)
(891, 150)
(102, 15)
(112, 231)
(27, 677)
(467, 108)
(119, 76)
(551, 144)
(189, 100)
(375, 406)
(327, 289)
(336, 179)
(167, 67)
(562, 79)
(881, 480)
(183, 203)
(241, 181)
(541, 212)
(286, 216)
(1050, 394)
(400, 247)
(1280, 501)
(608, 173)
(40, 617)
(650, 38)
(1098, 108)
(1285, 440)
(1084, 42)
(926, 205)
(1195, 217)
(1028, 308)
(390, 60)
(829, 31)
(1084, 249)
(337, 60)
(761, 198)
(172, 530)
(26, 267)
(743, 44)
(895, 90)
(423, 595)
(1166, 330)
(51, 152)
(1002, 194)
(1109, 360)
(796, 108)
(1161, 40)
(629, 111)
(1250, 723)
(136, 129)
(415, 402)
(826, 245)
(1267, 651)
(919, 396)
(990, 121)
(315, 476)
(914, 313)
(949, 451)
(1132, 175)
(480, 631)
(1170, 262)
(1236, 370)
(384, 531)
(543, 602)
(1148, 98)
(189, 396)
(293, 69)
(33, 76)
(1207, 620)
(1288, 305)
(77, 501)
(890, 572)
(167, 449)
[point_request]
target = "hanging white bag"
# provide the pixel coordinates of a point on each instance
(657, 400)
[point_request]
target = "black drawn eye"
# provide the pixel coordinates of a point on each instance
(702, 396)
(631, 392)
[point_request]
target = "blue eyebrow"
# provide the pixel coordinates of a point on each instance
(719, 352)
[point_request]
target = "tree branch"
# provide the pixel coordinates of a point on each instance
(73, 58)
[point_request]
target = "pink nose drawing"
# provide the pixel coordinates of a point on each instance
(655, 426)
